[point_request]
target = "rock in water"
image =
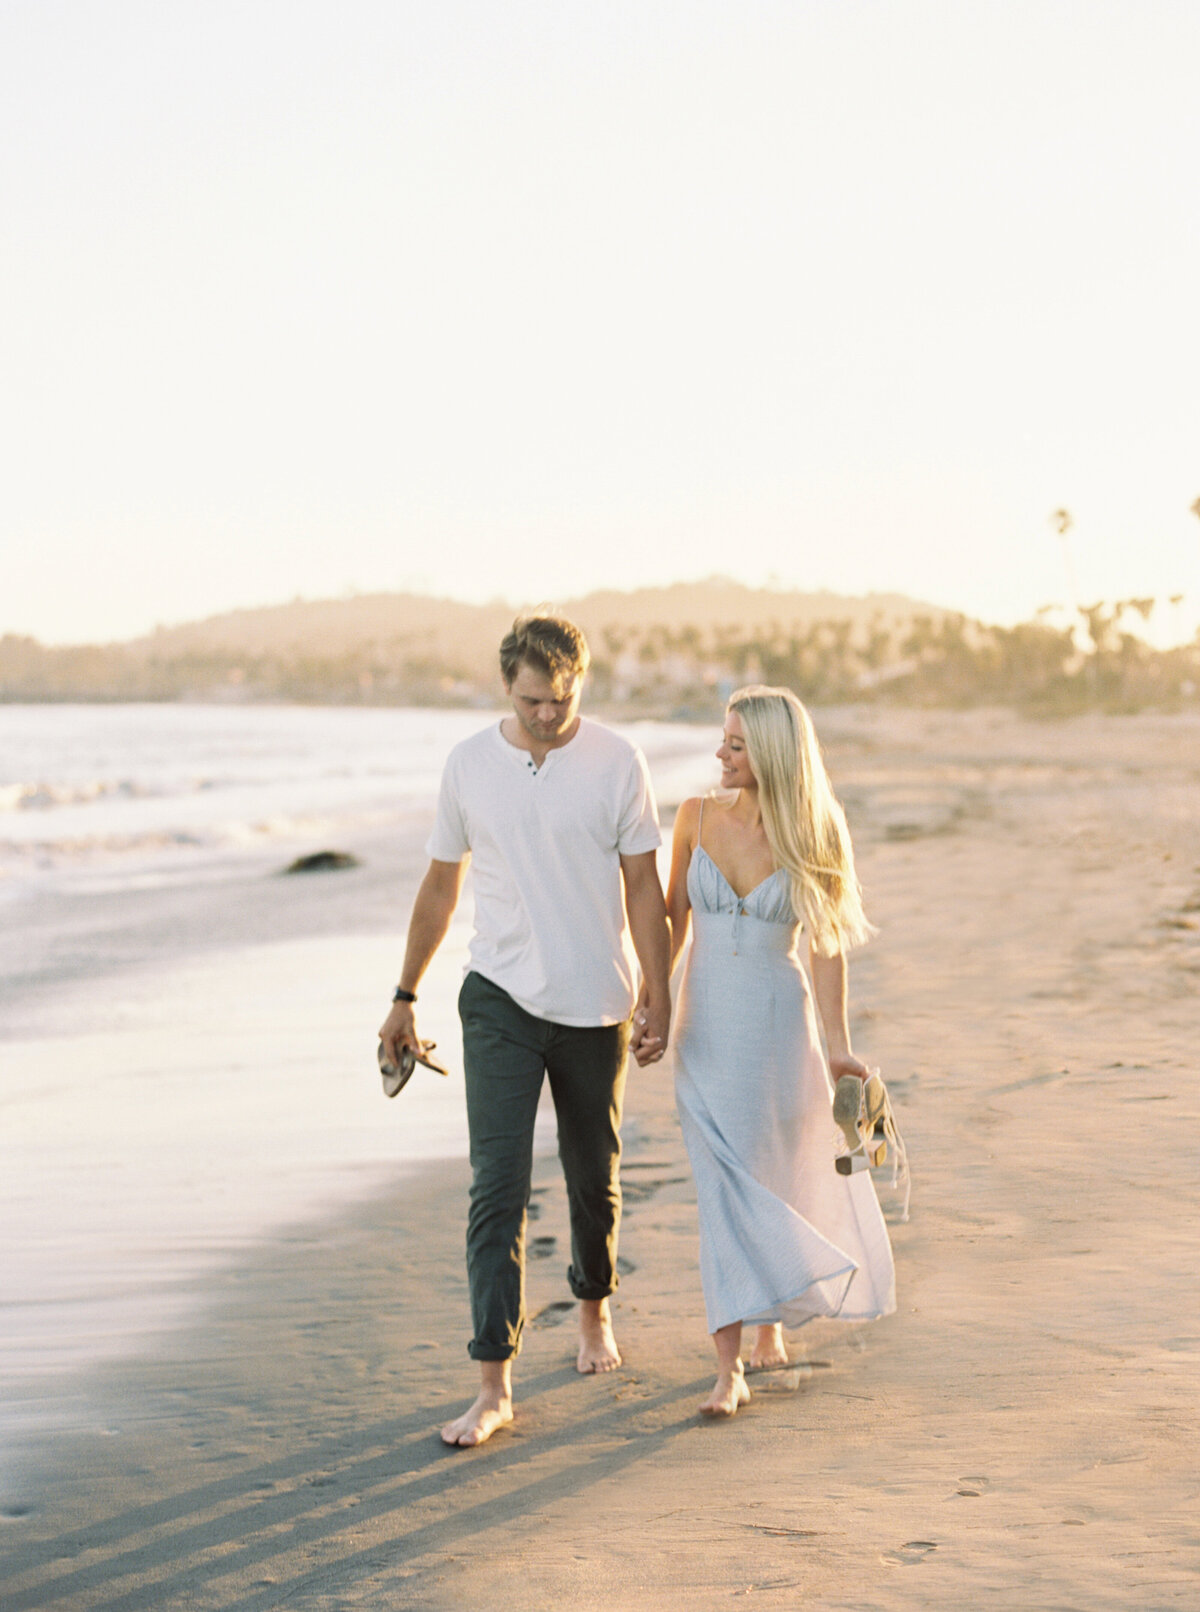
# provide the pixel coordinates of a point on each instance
(322, 862)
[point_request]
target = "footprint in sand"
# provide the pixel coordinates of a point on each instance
(554, 1314)
(541, 1247)
(909, 1554)
(780, 1379)
(625, 1267)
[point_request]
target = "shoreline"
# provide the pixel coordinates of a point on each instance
(160, 1132)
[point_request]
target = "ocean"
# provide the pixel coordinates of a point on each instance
(187, 1035)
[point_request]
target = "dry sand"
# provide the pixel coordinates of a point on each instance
(1021, 1434)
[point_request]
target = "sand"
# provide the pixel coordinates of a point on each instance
(1021, 1434)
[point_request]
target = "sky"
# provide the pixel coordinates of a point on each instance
(526, 298)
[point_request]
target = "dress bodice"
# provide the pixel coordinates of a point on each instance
(769, 903)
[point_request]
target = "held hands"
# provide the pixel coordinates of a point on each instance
(651, 1025)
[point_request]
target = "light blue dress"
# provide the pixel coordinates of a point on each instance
(783, 1236)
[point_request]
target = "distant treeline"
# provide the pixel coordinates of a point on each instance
(679, 672)
(947, 660)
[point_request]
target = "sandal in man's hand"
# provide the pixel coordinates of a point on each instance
(397, 1076)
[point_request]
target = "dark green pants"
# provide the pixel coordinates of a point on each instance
(506, 1054)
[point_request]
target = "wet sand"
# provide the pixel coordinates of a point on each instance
(1021, 1433)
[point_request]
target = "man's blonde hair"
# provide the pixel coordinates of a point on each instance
(805, 825)
(550, 644)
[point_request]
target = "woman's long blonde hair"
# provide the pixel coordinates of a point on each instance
(805, 825)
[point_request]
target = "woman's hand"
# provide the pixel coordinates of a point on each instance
(648, 1040)
(845, 1063)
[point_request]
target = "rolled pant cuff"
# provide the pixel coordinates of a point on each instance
(592, 1292)
(493, 1351)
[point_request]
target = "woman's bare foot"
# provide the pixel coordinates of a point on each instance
(475, 1426)
(769, 1349)
(597, 1347)
(728, 1393)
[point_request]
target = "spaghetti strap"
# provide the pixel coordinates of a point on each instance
(700, 825)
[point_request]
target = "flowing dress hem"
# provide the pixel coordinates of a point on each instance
(774, 1309)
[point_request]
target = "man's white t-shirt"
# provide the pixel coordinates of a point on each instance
(545, 846)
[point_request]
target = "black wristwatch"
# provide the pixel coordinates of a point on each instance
(401, 995)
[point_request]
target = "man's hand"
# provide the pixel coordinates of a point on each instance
(651, 1025)
(399, 1030)
(652, 942)
(431, 915)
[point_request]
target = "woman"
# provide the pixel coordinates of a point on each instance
(783, 1236)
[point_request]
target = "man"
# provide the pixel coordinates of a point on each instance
(557, 816)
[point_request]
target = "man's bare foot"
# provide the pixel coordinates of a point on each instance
(769, 1349)
(597, 1347)
(475, 1426)
(728, 1393)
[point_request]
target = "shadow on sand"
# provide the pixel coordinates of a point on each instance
(255, 1461)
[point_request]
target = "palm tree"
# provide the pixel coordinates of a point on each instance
(1062, 524)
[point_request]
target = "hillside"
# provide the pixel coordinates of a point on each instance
(673, 651)
(456, 634)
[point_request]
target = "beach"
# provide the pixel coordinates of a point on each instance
(1020, 1434)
